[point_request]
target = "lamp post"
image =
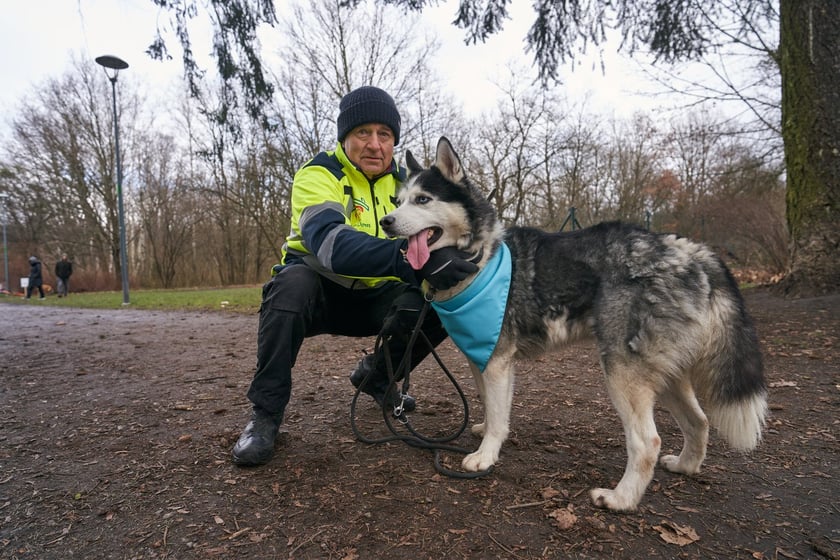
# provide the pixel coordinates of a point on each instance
(116, 64)
(6, 284)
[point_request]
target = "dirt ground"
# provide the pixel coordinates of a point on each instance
(116, 429)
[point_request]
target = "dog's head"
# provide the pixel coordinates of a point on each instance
(439, 207)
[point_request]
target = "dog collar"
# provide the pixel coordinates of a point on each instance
(473, 318)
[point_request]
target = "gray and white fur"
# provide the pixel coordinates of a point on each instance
(669, 321)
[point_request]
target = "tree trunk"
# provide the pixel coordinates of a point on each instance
(810, 67)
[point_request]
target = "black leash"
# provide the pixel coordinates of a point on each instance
(415, 439)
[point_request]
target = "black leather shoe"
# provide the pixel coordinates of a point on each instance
(376, 386)
(256, 444)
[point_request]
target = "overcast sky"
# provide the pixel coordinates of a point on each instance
(39, 37)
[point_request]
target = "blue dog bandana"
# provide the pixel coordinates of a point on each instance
(474, 317)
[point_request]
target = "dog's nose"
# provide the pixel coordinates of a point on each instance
(386, 221)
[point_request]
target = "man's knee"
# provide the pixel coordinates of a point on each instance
(405, 313)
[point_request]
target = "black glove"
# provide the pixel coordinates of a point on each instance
(447, 266)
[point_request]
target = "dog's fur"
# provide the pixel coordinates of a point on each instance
(668, 317)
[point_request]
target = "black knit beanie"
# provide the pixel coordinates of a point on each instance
(368, 104)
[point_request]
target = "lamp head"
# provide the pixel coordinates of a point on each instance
(112, 62)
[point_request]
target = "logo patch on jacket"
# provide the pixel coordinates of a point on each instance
(360, 206)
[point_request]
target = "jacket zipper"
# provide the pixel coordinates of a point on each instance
(374, 202)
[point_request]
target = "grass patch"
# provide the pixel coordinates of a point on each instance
(241, 299)
(244, 299)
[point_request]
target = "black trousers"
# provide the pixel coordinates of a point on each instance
(298, 303)
(30, 288)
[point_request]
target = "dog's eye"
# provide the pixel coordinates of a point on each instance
(422, 199)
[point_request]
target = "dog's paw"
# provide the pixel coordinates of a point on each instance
(673, 464)
(479, 461)
(478, 430)
(610, 499)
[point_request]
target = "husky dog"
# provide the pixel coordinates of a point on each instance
(667, 315)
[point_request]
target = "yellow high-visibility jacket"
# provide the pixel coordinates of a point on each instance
(335, 222)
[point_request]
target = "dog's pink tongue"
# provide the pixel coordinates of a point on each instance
(418, 250)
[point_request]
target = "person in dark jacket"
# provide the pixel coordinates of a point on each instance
(63, 270)
(35, 278)
(340, 274)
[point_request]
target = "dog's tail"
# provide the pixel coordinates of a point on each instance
(736, 392)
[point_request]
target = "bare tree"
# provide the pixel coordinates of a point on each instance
(741, 73)
(636, 155)
(168, 211)
(331, 49)
(225, 151)
(580, 167)
(511, 150)
(694, 142)
(62, 156)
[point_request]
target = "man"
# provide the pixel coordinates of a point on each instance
(340, 274)
(63, 270)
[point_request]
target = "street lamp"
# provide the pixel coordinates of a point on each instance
(116, 64)
(6, 284)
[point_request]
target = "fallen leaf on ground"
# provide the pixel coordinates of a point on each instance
(563, 518)
(548, 493)
(674, 533)
(776, 384)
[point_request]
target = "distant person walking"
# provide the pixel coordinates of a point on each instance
(35, 278)
(63, 270)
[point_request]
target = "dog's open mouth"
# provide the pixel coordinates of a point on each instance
(418, 246)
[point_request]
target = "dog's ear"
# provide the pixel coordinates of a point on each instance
(411, 163)
(447, 161)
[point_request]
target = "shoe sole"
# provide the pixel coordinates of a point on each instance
(240, 462)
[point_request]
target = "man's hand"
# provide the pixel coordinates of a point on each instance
(447, 266)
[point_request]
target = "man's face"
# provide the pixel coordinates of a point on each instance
(371, 147)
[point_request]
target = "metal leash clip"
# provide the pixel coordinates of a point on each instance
(399, 409)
